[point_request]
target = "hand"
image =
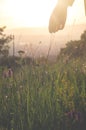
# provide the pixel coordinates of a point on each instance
(57, 18)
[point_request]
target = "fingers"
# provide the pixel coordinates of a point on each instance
(53, 24)
(57, 19)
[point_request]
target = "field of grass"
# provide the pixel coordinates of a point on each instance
(45, 96)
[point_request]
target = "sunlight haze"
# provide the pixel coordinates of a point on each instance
(35, 13)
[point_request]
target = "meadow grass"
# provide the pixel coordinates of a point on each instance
(44, 97)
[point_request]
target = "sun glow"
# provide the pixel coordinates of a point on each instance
(33, 13)
(29, 12)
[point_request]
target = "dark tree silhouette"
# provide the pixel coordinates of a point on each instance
(74, 50)
(4, 40)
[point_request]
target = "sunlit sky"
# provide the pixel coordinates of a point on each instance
(36, 13)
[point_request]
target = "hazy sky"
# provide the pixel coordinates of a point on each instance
(36, 13)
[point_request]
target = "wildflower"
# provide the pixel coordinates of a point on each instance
(7, 73)
(10, 72)
(46, 72)
(21, 86)
(74, 115)
(70, 114)
(6, 96)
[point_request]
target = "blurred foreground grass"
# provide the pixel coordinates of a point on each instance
(44, 97)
